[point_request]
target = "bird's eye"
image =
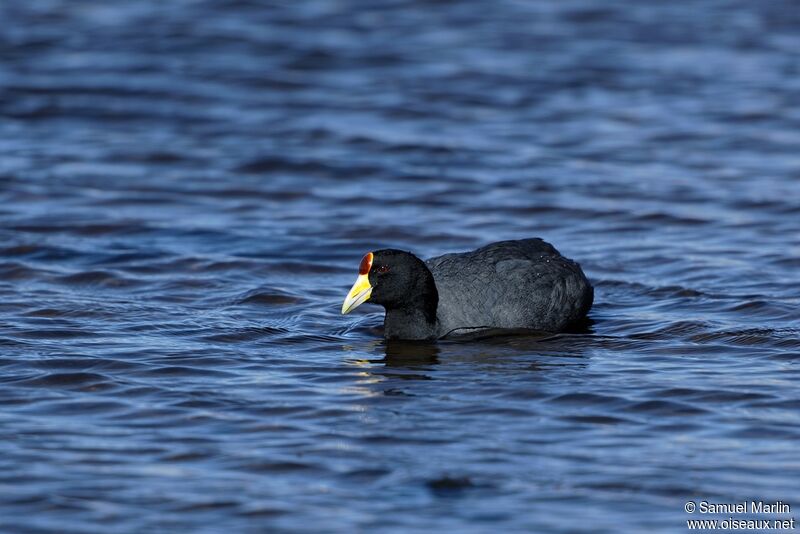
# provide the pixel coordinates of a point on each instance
(383, 269)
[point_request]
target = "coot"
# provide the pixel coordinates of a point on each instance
(505, 286)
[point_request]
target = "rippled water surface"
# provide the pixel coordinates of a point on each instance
(186, 189)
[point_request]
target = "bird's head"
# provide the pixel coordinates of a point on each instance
(394, 279)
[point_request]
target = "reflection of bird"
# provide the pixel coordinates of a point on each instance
(509, 285)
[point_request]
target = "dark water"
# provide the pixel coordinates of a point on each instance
(186, 189)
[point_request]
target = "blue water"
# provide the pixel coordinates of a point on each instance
(187, 187)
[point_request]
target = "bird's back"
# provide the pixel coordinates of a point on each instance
(523, 284)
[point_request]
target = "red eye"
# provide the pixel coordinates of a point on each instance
(383, 269)
(366, 263)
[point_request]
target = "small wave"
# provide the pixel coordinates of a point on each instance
(98, 278)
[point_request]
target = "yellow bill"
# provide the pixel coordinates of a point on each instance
(358, 295)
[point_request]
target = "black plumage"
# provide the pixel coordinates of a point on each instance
(509, 285)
